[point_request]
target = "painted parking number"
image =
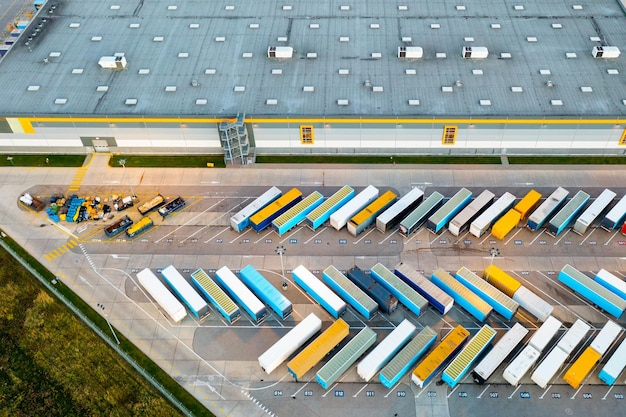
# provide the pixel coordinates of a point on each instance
(339, 393)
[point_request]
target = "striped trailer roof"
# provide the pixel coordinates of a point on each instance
(351, 293)
(500, 302)
(322, 212)
(346, 357)
(403, 292)
(216, 295)
(462, 295)
(459, 366)
(407, 357)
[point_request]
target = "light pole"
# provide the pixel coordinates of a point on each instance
(122, 162)
(280, 250)
(493, 252)
(106, 317)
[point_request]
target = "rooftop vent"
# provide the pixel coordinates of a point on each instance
(410, 52)
(280, 52)
(606, 52)
(113, 62)
(475, 52)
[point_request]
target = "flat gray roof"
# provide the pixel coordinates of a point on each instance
(195, 57)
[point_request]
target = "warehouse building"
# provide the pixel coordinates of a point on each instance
(333, 77)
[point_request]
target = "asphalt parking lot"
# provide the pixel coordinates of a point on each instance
(218, 363)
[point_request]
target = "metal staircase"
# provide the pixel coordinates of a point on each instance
(234, 138)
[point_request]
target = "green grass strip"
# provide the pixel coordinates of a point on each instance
(375, 159)
(168, 161)
(41, 160)
(170, 385)
(567, 160)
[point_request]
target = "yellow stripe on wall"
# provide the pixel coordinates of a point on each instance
(27, 126)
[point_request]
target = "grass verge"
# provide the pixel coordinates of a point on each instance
(39, 160)
(374, 159)
(567, 160)
(168, 161)
(55, 365)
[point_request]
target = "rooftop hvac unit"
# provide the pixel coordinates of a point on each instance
(281, 52)
(113, 62)
(475, 52)
(410, 52)
(605, 52)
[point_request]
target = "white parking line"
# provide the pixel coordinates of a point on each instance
(330, 390)
(363, 237)
(188, 221)
(519, 229)
(486, 238)
(607, 393)
(514, 391)
(545, 392)
(587, 237)
(264, 236)
(317, 234)
(537, 237)
(561, 238)
(289, 237)
(359, 391)
(611, 238)
(385, 239)
(485, 390)
(461, 238)
(438, 237)
(207, 241)
(237, 238)
(412, 237)
(301, 388)
(423, 389)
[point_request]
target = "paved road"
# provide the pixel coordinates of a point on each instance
(209, 358)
